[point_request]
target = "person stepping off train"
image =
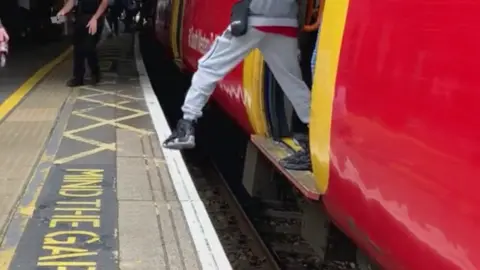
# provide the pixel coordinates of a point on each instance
(271, 26)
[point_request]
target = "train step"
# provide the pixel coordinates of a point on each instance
(304, 181)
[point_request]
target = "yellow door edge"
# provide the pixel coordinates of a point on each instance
(174, 31)
(253, 81)
(325, 75)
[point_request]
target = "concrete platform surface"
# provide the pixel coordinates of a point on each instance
(24, 62)
(84, 183)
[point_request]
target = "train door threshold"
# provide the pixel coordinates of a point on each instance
(303, 181)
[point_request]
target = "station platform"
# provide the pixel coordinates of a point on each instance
(26, 65)
(84, 183)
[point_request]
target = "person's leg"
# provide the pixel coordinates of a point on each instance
(111, 19)
(225, 54)
(91, 53)
(78, 59)
(128, 20)
(280, 53)
(116, 15)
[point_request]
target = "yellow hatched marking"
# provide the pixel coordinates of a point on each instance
(113, 122)
(101, 106)
(80, 155)
(102, 146)
(93, 95)
(112, 105)
(110, 93)
(107, 146)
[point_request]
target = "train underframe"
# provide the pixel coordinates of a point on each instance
(263, 181)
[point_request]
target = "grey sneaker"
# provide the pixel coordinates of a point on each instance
(183, 137)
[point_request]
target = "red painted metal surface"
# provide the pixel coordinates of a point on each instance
(405, 146)
(405, 141)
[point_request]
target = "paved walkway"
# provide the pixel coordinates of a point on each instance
(85, 184)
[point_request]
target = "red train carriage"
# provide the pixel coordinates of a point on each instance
(394, 140)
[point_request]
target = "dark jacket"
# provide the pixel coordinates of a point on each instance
(129, 4)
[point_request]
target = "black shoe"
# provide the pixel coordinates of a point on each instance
(74, 82)
(183, 137)
(300, 161)
(96, 79)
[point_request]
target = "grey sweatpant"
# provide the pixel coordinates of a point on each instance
(280, 53)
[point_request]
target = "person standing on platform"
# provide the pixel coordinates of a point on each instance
(87, 32)
(130, 7)
(271, 26)
(115, 9)
(3, 33)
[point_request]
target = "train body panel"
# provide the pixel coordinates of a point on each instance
(404, 147)
(394, 144)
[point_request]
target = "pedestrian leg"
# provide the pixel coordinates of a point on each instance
(280, 53)
(225, 53)
(91, 54)
(78, 59)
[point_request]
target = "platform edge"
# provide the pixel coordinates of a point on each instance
(209, 249)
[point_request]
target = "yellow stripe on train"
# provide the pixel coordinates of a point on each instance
(325, 75)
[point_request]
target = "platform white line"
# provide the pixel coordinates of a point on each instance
(209, 249)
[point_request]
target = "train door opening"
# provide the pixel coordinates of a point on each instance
(263, 177)
(281, 119)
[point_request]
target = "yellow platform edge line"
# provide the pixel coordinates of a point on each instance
(17, 96)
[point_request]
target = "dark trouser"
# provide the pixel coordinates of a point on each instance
(113, 16)
(129, 14)
(85, 48)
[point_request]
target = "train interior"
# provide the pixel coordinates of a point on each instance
(282, 122)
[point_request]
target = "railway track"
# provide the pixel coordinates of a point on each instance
(243, 245)
(256, 234)
(280, 226)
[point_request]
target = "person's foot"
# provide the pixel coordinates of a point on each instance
(96, 79)
(299, 161)
(74, 82)
(183, 137)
